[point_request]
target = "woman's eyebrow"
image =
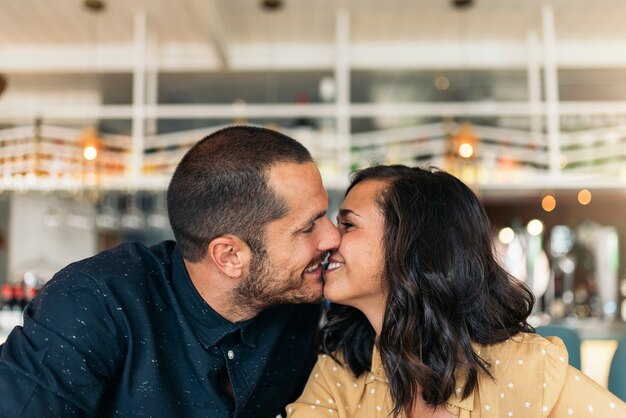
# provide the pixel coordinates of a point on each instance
(345, 212)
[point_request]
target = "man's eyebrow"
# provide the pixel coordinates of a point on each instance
(313, 218)
(345, 212)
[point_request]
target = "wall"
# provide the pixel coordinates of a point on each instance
(4, 234)
(34, 244)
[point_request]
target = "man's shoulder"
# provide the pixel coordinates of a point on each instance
(131, 252)
(126, 268)
(116, 278)
(125, 260)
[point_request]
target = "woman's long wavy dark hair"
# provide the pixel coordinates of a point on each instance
(444, 289)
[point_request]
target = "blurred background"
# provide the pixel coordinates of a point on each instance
(525, 101)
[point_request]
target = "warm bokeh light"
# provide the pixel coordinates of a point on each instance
(442, 83)
(534, 227)
(506, 235)
(90, 153)
(466, 150)
(548, 203)
(91, 178)
(584, 197)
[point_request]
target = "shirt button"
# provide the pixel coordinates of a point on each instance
(230, 354)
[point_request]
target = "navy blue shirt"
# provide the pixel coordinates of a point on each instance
(125, 333)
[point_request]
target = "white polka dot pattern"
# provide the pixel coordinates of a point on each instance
(532, 379)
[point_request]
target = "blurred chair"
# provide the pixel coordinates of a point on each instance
(570, 338)
(617, 372)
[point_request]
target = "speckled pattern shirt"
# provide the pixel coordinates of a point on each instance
(125, 333)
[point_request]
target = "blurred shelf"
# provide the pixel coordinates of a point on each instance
(594, 328)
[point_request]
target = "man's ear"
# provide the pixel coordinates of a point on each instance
(230, 255)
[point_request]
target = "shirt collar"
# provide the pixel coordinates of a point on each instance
(461, 376)
(456, 400)
(208, 325)
(377, 371)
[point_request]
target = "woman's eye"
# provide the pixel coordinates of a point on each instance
(345, 225)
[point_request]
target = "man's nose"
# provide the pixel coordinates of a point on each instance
(331, 236)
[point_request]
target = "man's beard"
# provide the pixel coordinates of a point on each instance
(261, 288)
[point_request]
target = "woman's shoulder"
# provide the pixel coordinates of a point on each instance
(333, 357)
(523, 348)
(333, 362)
(525, 351)
(332, 366)
(527, 373)
(531, 346)
(530, 376)
(527, 360)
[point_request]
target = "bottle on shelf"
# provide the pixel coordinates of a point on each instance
(6, 308)
(29, 294)
(14, 298)
(18, 306)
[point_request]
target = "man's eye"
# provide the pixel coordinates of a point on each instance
(309, 229)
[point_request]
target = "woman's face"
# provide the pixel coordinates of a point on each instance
(354, 274)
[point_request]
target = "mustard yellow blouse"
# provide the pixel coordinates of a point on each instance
(532, 379)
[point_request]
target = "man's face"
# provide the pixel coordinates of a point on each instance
(290, 270)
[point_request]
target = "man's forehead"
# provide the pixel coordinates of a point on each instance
(289, 169)
(301, 187)
(293, 178)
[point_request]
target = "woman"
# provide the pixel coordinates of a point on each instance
(431, 325)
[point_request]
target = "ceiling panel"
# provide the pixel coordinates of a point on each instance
(244, 21)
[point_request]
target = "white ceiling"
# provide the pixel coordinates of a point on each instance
(27, 22)
(218, 51)
(56, 54)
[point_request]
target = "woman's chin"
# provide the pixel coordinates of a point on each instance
(330, 295)
(333, 296)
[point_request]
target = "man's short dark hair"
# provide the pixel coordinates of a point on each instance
(221, 187)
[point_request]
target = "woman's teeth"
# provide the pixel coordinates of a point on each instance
(333, 265)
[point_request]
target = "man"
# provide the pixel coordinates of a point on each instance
(214, 325)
